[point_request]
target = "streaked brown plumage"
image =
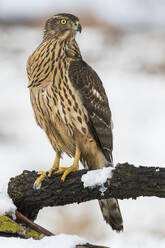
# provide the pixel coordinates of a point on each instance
(70, 104)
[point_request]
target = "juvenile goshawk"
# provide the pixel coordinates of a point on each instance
(70, 104)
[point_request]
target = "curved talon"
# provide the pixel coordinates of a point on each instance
(38, 181)
(50, 173)
(35, 186)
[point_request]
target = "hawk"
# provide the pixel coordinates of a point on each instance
(71, 106)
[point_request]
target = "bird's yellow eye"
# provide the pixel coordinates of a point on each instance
(63, 21)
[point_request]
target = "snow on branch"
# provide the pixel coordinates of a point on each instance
(122, 182)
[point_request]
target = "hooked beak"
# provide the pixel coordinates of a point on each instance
(77, 27)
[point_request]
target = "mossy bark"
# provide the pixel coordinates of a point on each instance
(10, 228)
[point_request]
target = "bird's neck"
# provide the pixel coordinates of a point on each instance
(67, 47)
(72, 49)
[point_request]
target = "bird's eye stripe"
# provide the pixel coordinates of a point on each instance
(63, 21)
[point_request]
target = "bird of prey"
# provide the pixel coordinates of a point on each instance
(71, 106)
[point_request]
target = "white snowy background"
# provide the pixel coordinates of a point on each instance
(131, 64)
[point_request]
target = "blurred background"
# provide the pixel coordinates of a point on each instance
(124, 41)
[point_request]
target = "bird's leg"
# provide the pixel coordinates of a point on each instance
(56, 164)
(74, 167)
(43, 174)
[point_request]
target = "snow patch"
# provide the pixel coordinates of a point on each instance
(97, 178)
(61, 240)
(7, 206)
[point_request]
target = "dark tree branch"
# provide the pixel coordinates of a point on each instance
(127, 181)
(24, 220)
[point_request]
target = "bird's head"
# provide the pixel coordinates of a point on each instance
(62, 26)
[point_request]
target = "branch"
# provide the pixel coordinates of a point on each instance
(23, 219)
(127, 181)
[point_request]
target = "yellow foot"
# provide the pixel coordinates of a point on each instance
(37, 183)
(55, 165)
(66, 171)
(74, 167)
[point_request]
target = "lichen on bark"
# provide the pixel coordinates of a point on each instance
(12, 228)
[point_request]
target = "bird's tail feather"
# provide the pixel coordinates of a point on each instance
(109, 207)
(111, 213)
